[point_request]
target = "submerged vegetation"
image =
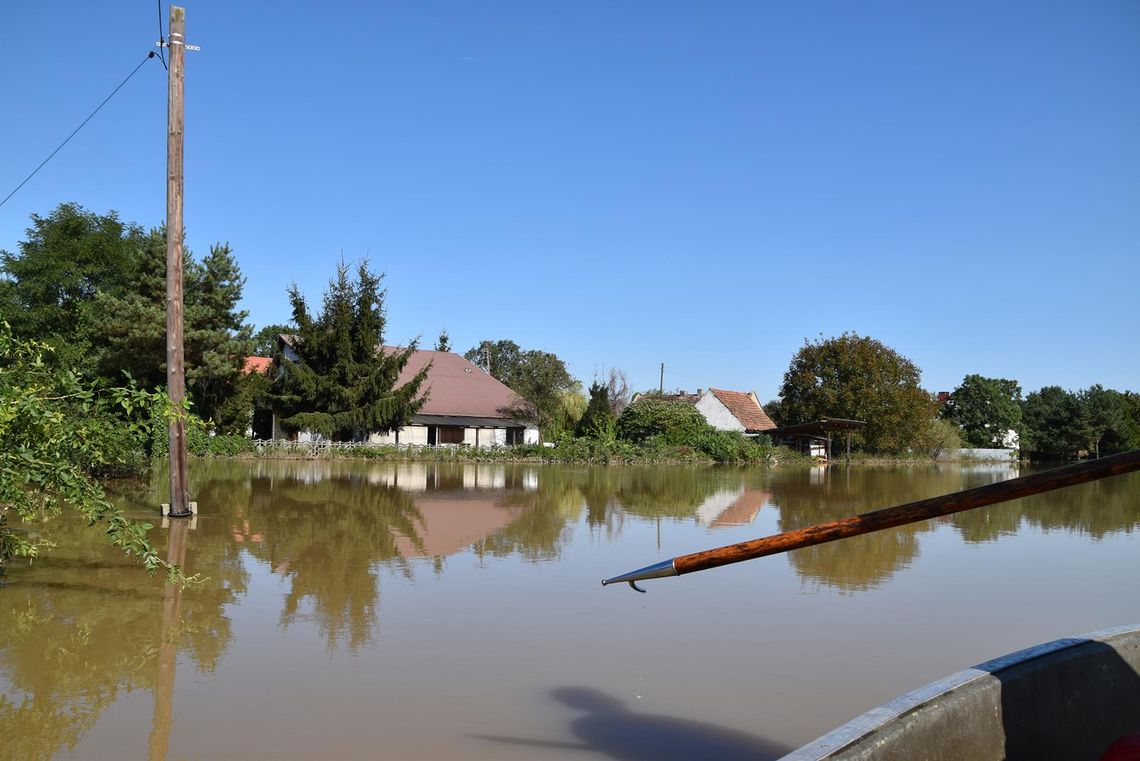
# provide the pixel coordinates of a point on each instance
(58, 433)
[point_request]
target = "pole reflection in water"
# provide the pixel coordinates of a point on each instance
(168, 647)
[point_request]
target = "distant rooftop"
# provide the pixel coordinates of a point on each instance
(745, 408)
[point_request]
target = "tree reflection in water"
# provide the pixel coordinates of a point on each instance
(332, 529)
(865, 562)
(82, 628)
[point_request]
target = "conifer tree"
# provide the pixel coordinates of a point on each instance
(598, 420)
(342, 382)
(127, 328)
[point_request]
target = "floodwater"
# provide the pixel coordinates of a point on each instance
(410, 611)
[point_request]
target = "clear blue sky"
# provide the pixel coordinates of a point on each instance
(624, 184)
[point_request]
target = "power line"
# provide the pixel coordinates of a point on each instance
(41, 166)
(161, 39)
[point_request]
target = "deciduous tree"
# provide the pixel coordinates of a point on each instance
(539, 377)
(265, 340)
(1056, 424)
(859, 378)
(618, 390)
(66, 258)
(1110, 429)
(986, 409)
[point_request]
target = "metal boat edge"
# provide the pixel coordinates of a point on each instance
(963, 715)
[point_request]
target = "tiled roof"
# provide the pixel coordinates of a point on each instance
(457, 387)
(259, 365)
(744, 408)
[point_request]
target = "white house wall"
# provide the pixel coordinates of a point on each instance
(417, 435)
(717, 415)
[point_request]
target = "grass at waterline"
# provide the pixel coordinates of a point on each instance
(726, 450)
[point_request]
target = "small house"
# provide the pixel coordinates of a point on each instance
(465, 406)
(726, 410)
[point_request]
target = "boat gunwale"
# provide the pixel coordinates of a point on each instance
(849, 734)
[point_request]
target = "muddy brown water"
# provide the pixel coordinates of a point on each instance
(409, 611)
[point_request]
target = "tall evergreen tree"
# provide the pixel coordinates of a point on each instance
(340, 381)
(218, 339)
(598, 420)
(126, 328)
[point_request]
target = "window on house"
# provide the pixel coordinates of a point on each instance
(450, 434)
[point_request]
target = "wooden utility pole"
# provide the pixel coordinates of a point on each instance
(175, 360)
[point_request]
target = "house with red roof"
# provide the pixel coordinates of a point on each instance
(725, 410)
(734, 411)
(465, 406)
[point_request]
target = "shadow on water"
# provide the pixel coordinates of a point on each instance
(610, 728)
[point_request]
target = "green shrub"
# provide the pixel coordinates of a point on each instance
(56, 431)
(676, 423)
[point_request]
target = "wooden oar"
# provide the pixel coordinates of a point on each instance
(912, 512)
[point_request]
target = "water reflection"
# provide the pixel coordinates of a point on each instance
(335, 533)
(809, 497)
(864, 562)
(83, 626)
(170, 636)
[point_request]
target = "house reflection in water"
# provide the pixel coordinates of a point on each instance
(732, 507)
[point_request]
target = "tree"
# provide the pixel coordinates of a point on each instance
(938, 438)
(775, 411)
(342, 381)
(265, 340)
(1056, 424)
(538, 377)
(1132, 413)
(598, 420)
(217, 337)
(986, 409)
(443, 343)
(126, 327)
(571, 407)
(95, 288)
(618, 390)
(67, 257)
(859, 378)
(1110, 428)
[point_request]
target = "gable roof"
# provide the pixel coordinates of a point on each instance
(745, 408)
(456, 387)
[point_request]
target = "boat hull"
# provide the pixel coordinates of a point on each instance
(1067, 699)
